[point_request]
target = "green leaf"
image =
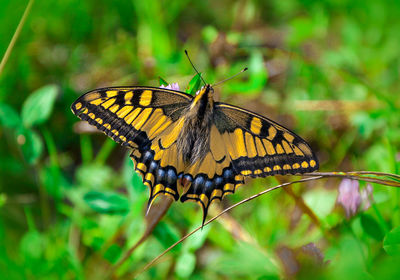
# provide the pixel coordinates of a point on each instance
(112, 254)
(194, 84)
(246, 261)
(39, 105)
(31, 246)
(185, 265)
(107, 202)
(391, 242)
(371, 227)
(167, 235)
(257, 77)
(94, 176)
(31, 144)
(210, 34)
(162, 82)
(9, 117)
(196, 240)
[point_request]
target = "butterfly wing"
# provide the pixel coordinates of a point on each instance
(260, 147)
(243, 143)
(147, 120)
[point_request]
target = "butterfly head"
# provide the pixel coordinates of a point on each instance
(204, 98)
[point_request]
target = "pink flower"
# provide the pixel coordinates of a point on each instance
(173, 86)
(349, 196)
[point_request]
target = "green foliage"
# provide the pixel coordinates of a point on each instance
(194, 84)
(107, 203)
(37, 108)
(71, 204)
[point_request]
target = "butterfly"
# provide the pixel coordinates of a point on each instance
(192, 147)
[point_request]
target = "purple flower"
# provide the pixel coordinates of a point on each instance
(349, 196)
(173, 86)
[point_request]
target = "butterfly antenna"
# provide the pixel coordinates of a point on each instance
(198, 73)
(230, 78)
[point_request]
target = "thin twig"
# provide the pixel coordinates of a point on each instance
(358, 175)
(15, 36)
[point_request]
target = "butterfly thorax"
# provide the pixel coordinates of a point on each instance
(193, 140)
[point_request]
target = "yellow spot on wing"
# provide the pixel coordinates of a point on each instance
(145, 98)
(277, 167)
(229, 187)
(287, 167)
(92, 96)
(216, 193)
(271, 132)
(157, 125)
(288, 137)
(142, 118)
(115, 132)
(128, 97)
(78, 105)
(97, 101)
(153, 120)
(269, 147)
(107, 125)
(260, 148)
(304, 164)
(149, 177)
(296, 166)
(91, 115)
(297, 151)
(251, 148)
(100, 121)
(257, 172)
(204, 199)
(286, 147)
(129, 118)
(246, 172)
(108, 103)
(111, 93)
(114, 108)
(238, 141)
(255, 125)
(141, 166)
(305, 149)
(124, 111)
(279, 149)
(158, 188)
(312, 163)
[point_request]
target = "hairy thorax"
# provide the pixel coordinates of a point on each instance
(194, 139)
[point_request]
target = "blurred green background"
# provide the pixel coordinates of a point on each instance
(70, 203)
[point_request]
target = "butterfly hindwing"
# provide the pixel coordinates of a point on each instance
(214, 176)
